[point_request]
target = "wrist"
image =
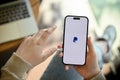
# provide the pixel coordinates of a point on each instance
(91, 75)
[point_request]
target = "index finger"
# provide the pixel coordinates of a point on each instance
(45, 34)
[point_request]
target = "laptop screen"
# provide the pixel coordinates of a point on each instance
(6, 1)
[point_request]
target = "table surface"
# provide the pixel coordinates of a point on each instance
(8, 45)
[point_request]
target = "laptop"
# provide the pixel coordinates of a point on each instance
(16, 20)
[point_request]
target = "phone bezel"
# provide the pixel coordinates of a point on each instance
(74, 16)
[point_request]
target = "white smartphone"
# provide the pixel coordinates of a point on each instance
(75, 40)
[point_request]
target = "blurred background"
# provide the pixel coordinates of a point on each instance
(101, 14)
(107, 12)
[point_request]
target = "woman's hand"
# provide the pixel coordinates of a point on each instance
(91, 68)
(32, 48)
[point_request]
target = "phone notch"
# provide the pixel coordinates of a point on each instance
(76, 18)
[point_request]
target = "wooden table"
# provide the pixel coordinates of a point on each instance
(35, 6)
(12, 44)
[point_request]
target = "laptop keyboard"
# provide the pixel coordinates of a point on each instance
(13, 13)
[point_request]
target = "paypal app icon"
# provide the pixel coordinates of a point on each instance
(75, 39)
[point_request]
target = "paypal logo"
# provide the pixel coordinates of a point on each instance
(75, 39)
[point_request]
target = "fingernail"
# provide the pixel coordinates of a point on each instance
(67, 68)
(52, 28)
(90, 38)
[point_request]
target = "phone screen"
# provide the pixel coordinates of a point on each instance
(74, 41)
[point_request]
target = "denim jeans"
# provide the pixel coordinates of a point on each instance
(56, 70)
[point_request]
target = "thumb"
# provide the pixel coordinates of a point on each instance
(49, 52)
(90, 46)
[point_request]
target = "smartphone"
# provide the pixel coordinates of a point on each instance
(75, 40)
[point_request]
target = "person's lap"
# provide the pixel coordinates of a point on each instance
(56, 71)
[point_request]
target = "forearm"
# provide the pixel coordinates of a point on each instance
(15, 69)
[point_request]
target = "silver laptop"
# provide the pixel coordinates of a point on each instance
(16, 20)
